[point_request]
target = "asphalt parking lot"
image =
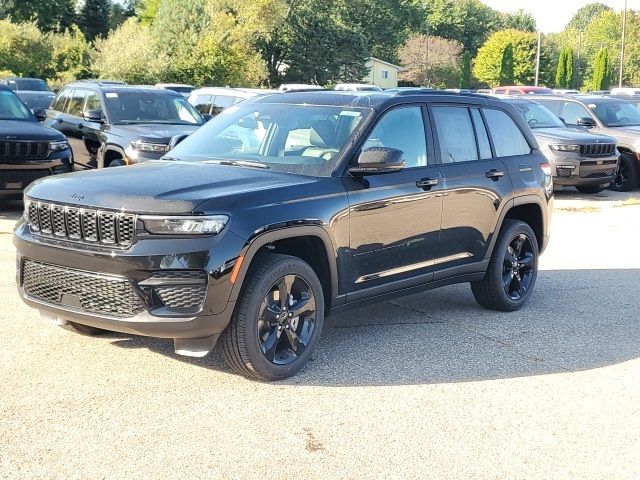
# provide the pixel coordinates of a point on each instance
(427, 386)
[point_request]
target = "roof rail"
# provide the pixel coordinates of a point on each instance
(430, 91)
(100, 81)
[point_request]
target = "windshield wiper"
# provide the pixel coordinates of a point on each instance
(238, 163)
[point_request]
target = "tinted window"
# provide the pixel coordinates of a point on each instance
(11, 108)
(508, 140)
(538, 116)
(500, 90)
(221, 102)
(554, 105)
(202, 103)
(455, 134)
(403, 129)
(617, 114)
(573, 111)
(481, 133)
(32, 84)
(93, 102)
(150, 106)
(60, 103)
(76, 102)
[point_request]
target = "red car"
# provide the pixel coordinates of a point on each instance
(523, 90)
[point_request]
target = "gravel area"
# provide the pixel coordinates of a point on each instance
(426, 386)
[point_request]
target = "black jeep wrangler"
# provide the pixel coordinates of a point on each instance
(288, 207)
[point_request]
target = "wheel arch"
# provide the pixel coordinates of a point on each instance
(309, 243)
(111, 152)
(529, 209)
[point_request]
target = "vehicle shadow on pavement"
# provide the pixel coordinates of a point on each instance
(577, 320)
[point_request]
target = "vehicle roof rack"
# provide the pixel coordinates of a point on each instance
(429, 91)
(100, 81)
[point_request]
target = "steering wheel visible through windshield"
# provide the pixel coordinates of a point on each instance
(151, 107)
(304, 139)
(538, 116)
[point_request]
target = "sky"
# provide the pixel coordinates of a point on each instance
(553, 15)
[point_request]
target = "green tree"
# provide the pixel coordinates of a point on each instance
(24, 49)
(518, 20)
(93, 18)
(564, 71)
(601, 79)
(506, 65)
(465, 75)
(585, 15)
(70, 56)
(488, 65)
(431, 61)
(49, 15)
(149, 10)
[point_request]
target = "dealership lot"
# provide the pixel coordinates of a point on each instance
(427, 386)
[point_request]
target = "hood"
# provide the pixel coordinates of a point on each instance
(166, 187)
(628, 130)
(153, 132)
(27, 130)
(570, 135)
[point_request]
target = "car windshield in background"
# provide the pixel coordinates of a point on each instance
(11, 108)
(31, 84)
(150, 107)
(303, 139)
(538, 116)
(616, 114)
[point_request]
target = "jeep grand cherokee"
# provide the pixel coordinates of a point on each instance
(285, 208)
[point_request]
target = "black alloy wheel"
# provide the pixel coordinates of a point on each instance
(517, 268)
(626, 178)
(287, 320)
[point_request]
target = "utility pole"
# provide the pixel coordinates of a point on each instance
(538, 58)
(624, 33)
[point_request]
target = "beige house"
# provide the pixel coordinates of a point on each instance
(381, 73)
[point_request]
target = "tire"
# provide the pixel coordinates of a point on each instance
(590, 189)
(491, 291)
(627, 175)
(116, 162)
(84, 329)
(259, 341)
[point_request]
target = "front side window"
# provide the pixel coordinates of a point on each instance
(572, 111)
(76, 102)
(220, 102)
(153, 106)
(617, 114)
(455, 134)
(11, 108)
(508, 140)
(61, 101)
(403, 129)
(538, 116)
(303, 139)
(92, 102)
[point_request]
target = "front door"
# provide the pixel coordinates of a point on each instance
(395, 217)
(475, 184)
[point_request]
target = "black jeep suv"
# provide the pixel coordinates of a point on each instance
(28, 150)
(110, 124)
(285, 208)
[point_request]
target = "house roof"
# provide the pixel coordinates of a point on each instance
(387, 63)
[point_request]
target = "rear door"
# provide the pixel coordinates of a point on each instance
(475, 183)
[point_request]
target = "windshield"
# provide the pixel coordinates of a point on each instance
(150, 107)
(32, 84)
(11, 108)
(616, 114)
(538, 116)
(304, 139)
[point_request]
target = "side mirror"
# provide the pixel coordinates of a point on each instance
(93, 116)
(175, 140)
(377, 160)
(40, 114)
(586, 122)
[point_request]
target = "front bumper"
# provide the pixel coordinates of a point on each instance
(583, 171)
(137, 266)
(16, 175)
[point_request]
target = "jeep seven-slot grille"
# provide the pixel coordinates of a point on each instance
(89, 292)
(598, 150)
(24, 149)
(81, 224)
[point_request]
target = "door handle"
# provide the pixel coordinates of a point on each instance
(427, 183)
(494, 174)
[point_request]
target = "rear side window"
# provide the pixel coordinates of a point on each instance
(202, 103)
(481, 133)
(60, 102)
(508, 140)
(76, 102)
(456, 134)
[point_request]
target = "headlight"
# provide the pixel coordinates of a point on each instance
(58, 146)
(206, 225)
(565, 148)
(150, 147)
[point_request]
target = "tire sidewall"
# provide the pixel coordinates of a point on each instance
(250, 308)
(500, 253)
(632, 169)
